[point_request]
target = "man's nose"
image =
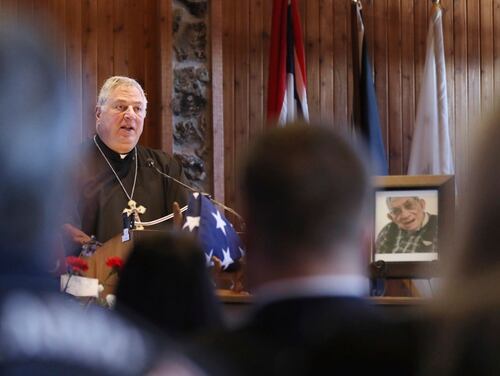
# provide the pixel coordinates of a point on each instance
(404, 212)
(129, 112)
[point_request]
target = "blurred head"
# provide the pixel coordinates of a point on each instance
(165, 282)
(120, 113)
(34, 148)
(475, 251)
(407, 212)
(306, 194)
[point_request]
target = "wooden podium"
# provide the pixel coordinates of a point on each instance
(113, 247)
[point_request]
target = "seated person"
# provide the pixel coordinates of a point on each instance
(165, 284)
(41, 331)
(411, 229)
(468, 305)
(306, 198)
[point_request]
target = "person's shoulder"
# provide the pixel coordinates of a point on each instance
(432, 224)
(162, 160)
(156, 154)
(109, 331)
(388, 229)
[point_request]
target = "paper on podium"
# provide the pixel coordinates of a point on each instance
(80, 286)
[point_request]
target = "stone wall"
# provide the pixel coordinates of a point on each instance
(191, 91)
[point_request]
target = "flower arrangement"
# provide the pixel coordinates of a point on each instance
(115, 263)
(76, 265)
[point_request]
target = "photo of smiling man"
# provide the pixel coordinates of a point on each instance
(412, 226)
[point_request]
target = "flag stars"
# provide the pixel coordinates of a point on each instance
(227, 260)
(208, 258)
(221, 224)
(191, 223)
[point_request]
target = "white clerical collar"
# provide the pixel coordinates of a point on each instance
(123, 156)
(347, 285)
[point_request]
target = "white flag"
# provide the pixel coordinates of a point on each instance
(431, 152)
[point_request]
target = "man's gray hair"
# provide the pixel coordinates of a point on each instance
(388, 199)
(112, 83)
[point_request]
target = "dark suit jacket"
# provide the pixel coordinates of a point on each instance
(316, 335)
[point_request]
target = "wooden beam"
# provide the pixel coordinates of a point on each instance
(166, 74)
(216, 23)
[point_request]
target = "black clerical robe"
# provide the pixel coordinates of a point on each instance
(100, 199)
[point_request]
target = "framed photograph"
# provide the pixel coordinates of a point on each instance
(412, 216)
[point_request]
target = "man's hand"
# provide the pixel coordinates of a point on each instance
(176, 209)
(76, 234)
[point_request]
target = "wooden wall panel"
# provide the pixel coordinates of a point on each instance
(380, 58)
(95, 39)
(90, 84)
(396, 31)
(229, 47)
(461, 93)
(394, 110)
(496, 45)
(487, 63)
(312, 49)
(408, 79)
(326, 67)
(341, 93)
(99, 38)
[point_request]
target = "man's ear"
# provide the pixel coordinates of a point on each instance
(390, 217)
(422, 202)
(97, 112)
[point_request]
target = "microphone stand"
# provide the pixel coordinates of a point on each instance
(151, 163)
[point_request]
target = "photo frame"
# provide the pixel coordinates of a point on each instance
(412, 217)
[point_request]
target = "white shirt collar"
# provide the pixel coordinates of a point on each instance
(347, 285)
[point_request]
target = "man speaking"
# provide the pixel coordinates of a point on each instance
(114, 172)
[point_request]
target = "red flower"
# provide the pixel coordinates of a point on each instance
(76, 264)
(114, 262)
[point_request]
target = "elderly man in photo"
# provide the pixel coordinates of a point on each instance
(411, 229)
(114, 170)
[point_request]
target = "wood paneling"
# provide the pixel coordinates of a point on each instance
(396, 31)
(95, 39)
(99, 38)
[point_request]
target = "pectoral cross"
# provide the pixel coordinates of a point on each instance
(135, 211)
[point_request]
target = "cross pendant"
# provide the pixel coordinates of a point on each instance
(136, 210)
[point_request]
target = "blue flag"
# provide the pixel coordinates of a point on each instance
(215, 233)
(365, 109)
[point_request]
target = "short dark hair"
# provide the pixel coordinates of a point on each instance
(166, 282)
(305, 186)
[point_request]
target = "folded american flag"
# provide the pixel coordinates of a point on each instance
(215, 233)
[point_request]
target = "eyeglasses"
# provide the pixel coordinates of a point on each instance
(411, 204)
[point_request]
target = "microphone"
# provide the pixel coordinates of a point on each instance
(151, 163)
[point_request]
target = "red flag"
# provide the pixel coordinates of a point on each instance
(286, 98)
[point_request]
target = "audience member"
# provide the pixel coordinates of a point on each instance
(468, 308)
(165, 282)
(42, 333)
(306, 195)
